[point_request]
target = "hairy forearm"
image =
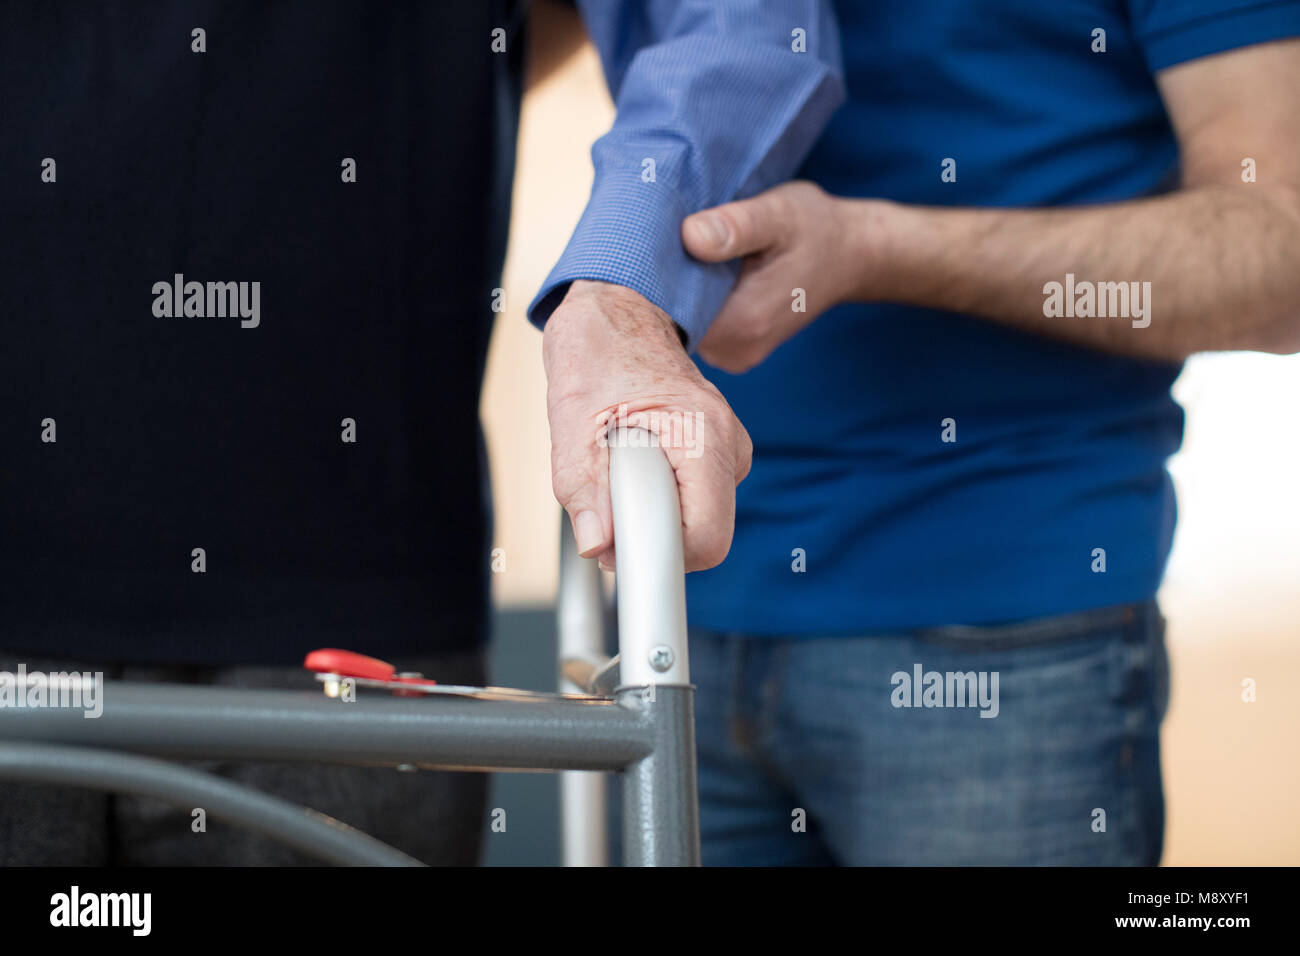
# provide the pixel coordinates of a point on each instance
(1222, 263)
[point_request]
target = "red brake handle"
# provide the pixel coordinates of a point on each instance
(331, 660)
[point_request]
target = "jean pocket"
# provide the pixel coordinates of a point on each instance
(1144, 677)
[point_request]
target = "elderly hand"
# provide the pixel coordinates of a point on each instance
(612, 356)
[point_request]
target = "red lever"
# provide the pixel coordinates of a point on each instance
(331, 660)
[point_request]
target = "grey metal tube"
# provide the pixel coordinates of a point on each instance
(652, 646)
(661, 824)
(306, 830)
(579, 607)
(245, 724)
(580, 634)
(661, 817)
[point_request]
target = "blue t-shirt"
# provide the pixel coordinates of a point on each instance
(1060, 451)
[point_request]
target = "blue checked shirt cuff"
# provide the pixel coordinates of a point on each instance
(713, 137)
(630, 235)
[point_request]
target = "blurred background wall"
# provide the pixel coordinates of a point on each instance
(1232, 592)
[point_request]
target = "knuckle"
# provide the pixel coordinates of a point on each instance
(744, 447)
(711, 549)
(737, 219)
(567, 480)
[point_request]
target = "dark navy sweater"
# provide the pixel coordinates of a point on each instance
(192, 484)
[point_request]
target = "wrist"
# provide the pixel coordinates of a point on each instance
(877, 269)
(614, 308)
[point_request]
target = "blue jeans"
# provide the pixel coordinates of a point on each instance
(808, 755)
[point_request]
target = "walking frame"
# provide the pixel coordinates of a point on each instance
(631, 715)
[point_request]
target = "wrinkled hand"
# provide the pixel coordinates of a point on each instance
(792, 237)
(606, 347)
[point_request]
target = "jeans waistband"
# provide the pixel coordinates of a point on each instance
(1133, 619)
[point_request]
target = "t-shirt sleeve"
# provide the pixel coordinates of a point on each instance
(1174, 31)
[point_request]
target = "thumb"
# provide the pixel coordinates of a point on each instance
(732, 230)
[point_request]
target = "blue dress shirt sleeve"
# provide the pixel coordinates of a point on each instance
(717, 100)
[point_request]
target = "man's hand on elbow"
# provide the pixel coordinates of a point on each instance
(800, 255)
(610, 352)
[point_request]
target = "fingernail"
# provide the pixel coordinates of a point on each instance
(714, 228)
(587, 531)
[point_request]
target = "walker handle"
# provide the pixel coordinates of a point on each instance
(651, 577)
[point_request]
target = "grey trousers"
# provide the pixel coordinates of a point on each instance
(435, 816)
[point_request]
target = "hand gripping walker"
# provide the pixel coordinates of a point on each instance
(632, 715)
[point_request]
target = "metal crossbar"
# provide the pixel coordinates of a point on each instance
(643, 728)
